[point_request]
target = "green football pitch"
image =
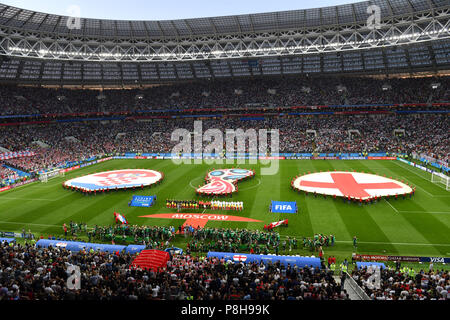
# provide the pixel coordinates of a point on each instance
(417, 226)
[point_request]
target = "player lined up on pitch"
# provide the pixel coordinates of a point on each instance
(198, 205)
(224, 205)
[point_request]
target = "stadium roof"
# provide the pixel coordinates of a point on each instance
(248, 23)
(413, 36)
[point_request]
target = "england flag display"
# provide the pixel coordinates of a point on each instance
(355, 185)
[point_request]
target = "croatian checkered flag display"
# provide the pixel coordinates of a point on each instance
(19, 154)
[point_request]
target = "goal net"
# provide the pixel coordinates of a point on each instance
(45, 176)
(437, 177)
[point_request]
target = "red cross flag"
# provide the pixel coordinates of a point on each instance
(277, 224)
(350, 184)
(239, 258)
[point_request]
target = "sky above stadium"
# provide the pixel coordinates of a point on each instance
(167, 9)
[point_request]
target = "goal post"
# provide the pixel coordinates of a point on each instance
(437, 177)
(45, 176)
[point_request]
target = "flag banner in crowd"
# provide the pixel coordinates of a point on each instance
(120, 218)
(362, 265)
(142, 201)
(283, 207)
(174, 251)
(18, 154)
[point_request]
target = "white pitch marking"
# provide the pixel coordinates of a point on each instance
(414, 183)
(29, 224)
(391, 205)
(190, 183)
(436, 212)
(28, 199)
(248, 188)
(407, 167)
(420, 176)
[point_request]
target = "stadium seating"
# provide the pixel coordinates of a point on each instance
(359, 91)
(109, 277)
(323, 77)
(332, 137)
(406, 284)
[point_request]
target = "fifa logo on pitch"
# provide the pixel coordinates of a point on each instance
(374, 20)
(74, 19)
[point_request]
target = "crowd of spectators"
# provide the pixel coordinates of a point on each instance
(398, 284)
(31, 273)
(423, 134)
(7, 176)
(28, 272)
(56, 145)
(235, 93)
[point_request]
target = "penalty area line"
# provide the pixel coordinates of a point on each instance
(391, 206)
(404, 211)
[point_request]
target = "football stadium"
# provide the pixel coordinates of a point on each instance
(289, 155)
